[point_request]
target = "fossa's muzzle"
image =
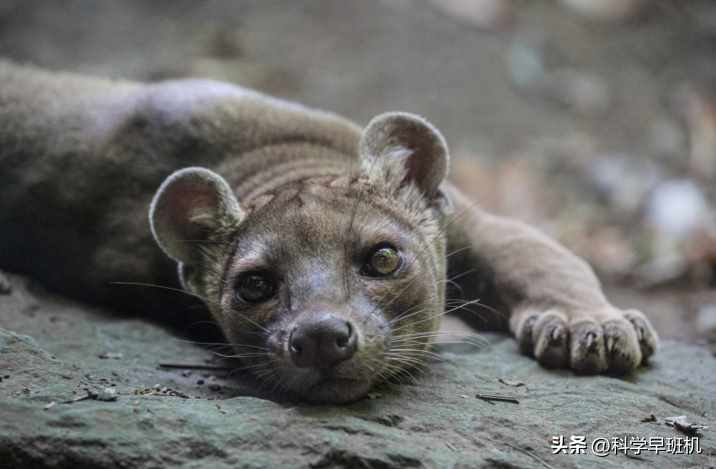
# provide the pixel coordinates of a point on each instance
(321, 340)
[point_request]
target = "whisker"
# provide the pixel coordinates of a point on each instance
(251, 321)
(415, 363)
(399, 371)
(488, 308)
(432, 317)
(240, 355)
(457, 251)
(157, 286)
(412, 311)
(414, 353)
(460, 275)
(228, 344)
(414, 339)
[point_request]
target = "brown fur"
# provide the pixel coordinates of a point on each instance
(298, 193)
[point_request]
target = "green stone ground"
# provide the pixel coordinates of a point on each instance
(54, 353)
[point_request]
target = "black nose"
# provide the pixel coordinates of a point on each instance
(322, 342)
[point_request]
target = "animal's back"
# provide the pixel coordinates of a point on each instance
(81, 157)
(59, 191)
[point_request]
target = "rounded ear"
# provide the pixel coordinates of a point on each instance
(188, 206)
(413, 141)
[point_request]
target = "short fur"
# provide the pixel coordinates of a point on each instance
(244, 181)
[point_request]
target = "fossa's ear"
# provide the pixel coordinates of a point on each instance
(189, 205)
(409, 141)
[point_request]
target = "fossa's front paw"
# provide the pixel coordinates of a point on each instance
(588, 341)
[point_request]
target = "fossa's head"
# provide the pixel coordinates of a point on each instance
(328, 285)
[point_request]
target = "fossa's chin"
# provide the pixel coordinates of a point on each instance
(345, 382)
(337, 390)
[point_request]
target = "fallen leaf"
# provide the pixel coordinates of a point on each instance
(682, 424)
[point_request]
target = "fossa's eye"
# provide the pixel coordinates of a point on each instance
(382, 261)
(255, 287)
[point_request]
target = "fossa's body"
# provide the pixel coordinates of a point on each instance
(322, 249)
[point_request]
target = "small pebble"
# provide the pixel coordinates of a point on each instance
(107, 395)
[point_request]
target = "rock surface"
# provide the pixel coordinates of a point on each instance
(165, 418)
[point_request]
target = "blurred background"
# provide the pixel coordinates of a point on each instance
(593, 119)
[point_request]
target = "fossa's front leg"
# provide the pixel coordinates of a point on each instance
(553, 301)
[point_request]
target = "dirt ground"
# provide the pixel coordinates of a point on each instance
(600, 131)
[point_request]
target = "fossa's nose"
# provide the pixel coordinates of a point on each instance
(322, 341)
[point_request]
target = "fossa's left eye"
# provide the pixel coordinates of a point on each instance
(383, 260)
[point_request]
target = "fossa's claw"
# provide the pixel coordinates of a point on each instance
(589, 342)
